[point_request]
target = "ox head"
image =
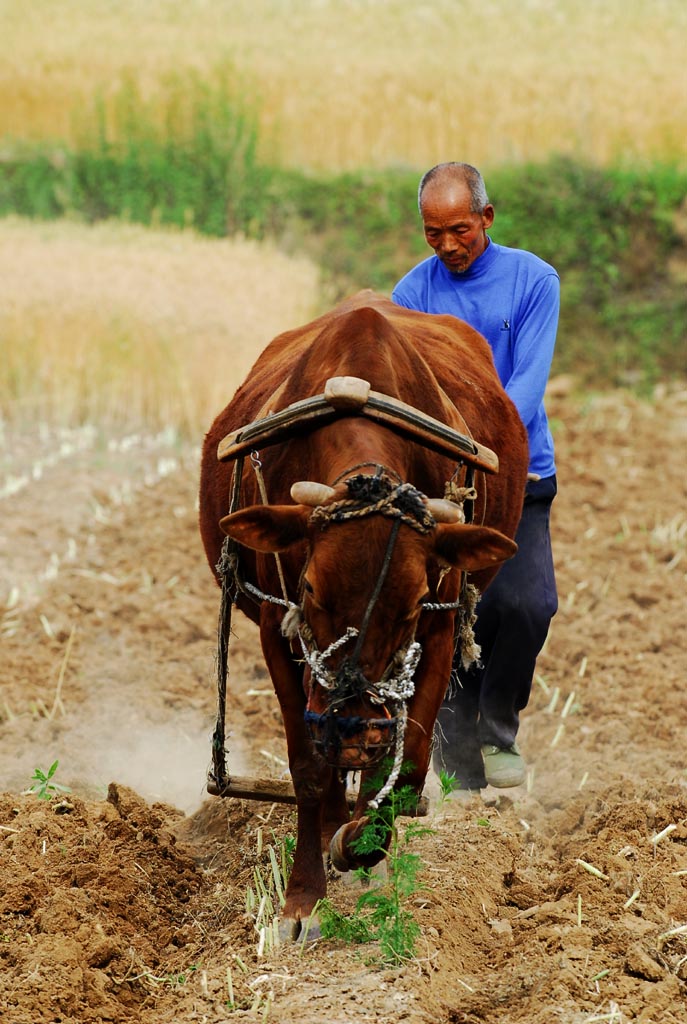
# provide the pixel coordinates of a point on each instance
(365, 583)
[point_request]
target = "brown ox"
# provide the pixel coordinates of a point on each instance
(349, 678)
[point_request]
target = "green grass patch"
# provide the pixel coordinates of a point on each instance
(187, 160)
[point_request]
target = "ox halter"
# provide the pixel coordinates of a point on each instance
(367, 495)
(383, 493)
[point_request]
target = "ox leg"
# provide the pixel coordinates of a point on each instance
(431, 683)
(321, 803)
(307, 883)
(335, 811)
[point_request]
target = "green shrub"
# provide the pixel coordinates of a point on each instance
(186, 158)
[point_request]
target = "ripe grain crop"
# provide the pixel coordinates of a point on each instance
(343, 84)
(123, 326)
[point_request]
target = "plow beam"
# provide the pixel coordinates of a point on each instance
(279, 791)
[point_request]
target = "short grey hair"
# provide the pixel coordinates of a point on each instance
(464, 173)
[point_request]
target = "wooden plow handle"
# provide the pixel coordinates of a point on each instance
(351, 396)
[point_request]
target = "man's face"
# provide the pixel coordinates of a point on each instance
(457, 236)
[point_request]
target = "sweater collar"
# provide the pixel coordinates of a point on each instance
(476, 269)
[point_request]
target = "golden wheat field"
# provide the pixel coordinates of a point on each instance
(367, 83)
(128, 326)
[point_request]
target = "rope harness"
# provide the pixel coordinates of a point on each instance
(382, 493)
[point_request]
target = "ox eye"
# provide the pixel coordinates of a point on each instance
(309, 591)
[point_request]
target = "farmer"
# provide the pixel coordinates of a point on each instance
(512, 298)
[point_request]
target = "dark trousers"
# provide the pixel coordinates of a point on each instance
(483, 705)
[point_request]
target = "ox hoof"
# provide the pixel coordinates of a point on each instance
(292, 929)
(336, 852)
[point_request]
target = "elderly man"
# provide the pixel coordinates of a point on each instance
(512, 298)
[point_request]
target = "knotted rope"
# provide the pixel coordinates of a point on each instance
(372, 495)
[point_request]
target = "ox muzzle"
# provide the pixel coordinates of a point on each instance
(356, 729)
(351, 742)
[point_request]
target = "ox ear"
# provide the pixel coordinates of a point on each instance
(472, 547)
(267, 528)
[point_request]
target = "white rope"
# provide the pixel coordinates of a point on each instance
(398, 760)
(400, 688)
(316, 659)
(441, 606)
(245, 585)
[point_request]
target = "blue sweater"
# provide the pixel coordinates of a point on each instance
(512, 298)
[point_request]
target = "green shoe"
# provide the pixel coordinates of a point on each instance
(503, 766)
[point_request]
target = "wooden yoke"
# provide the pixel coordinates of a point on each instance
(351, 396)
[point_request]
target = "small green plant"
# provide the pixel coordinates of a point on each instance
(381, 914)
(176, 980)
(448, 783)
(43, 786)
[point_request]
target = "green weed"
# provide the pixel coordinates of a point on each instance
(174, 981)
(43, 786)
(381, 914)
(448, 784)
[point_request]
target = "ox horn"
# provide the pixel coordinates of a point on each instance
(445, 511)
(308, 492)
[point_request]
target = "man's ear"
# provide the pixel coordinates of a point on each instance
(488, 215)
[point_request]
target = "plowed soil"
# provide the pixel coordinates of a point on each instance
(125, 899)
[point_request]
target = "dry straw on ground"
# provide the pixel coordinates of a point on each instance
(374, 83)
(122, 325)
